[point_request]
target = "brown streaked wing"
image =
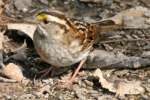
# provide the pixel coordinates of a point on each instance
(85, 31)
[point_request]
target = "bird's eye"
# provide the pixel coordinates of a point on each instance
(45, 21)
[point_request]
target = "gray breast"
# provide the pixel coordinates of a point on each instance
(53, 51)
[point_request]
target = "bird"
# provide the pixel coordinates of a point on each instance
(63, 41)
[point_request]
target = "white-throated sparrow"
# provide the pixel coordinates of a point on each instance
(63, 41)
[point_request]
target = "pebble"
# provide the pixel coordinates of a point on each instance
(44, 2)
(23, 5)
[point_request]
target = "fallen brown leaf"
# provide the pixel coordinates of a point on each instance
(27, 28)
(1, 40)
(14, 72)
(132, 18)
(120, 87)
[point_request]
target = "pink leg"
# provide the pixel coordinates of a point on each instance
(71, 79)
(45, 72)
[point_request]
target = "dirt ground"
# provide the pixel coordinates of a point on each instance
(85, 87)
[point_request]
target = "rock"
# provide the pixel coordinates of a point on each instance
(23, 5)
(146, 54)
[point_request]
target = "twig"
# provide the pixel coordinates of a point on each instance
(7, 80)
(124, 40)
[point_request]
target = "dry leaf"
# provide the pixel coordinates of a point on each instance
(137, 17)
(137, 11)
(1, 40)
(13, 72)
(28, 29)
(1, 6)
(120, 87)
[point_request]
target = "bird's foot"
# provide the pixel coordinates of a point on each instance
(45, 72)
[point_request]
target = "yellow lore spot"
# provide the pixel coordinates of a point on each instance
(41, 16)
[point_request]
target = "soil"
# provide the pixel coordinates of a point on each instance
(85, 87)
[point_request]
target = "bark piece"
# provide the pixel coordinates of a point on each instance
(104, 59)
